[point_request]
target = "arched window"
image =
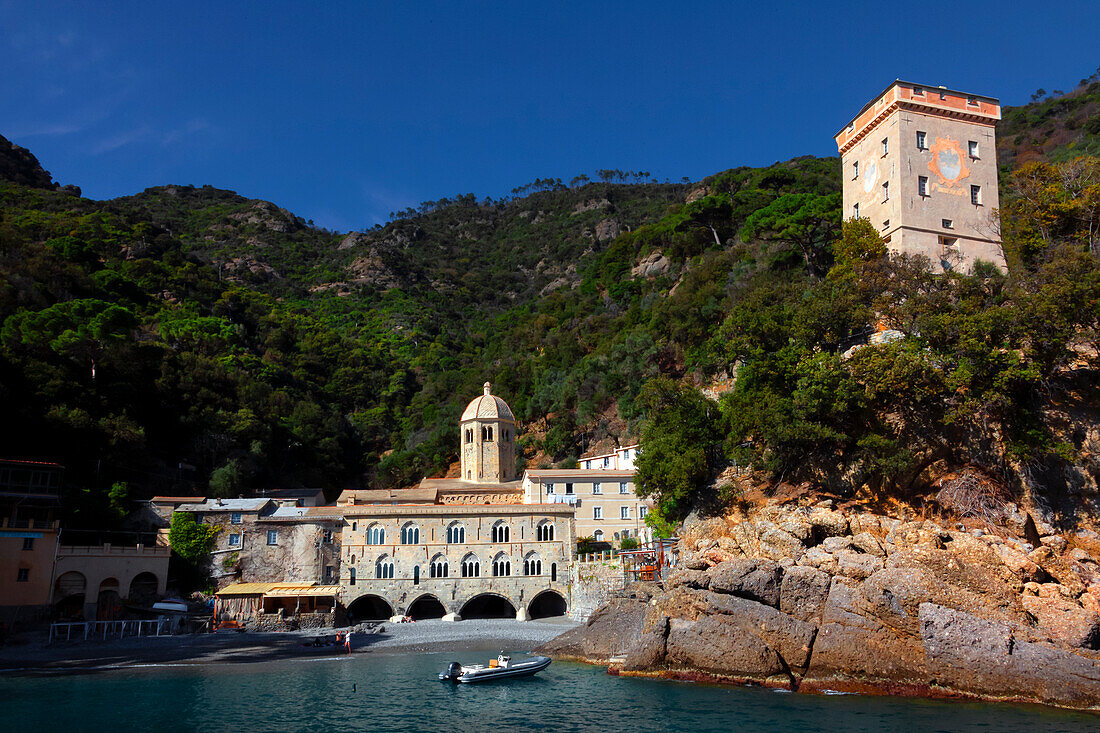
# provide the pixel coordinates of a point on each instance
(376, 535)
(471, 566)
(410, 534)
(384, 567)
(490, 433)
(501, 533)
(351, 577)
(354, 526)
(456, 534)
(416, 575)
(532, 564)
(598, 535)
(502, 566)
(438, 568)
(553, 572)
(544, 532)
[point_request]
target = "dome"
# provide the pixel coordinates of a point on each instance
(488, 407)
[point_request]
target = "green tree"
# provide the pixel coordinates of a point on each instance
(807, 221)
(191, 539)
(682, 433)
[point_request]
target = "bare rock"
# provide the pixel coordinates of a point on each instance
(815, 557)
(607, 229)
(975, 655)
(857, 565)
(753, 578)
(1064, 621)
(719, 645)
(869, 544)
(688, 577)
(802, 593)
(828, 523)
(652, 265)
(614, 626)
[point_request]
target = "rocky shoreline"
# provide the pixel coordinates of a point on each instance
(811, 598)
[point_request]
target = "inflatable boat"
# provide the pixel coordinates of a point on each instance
(498, 669)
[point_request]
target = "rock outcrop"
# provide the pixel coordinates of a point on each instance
(813, 598)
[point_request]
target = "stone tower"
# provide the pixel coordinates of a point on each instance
(920, 163)
(487, 430)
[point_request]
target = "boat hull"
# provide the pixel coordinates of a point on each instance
(488, 674)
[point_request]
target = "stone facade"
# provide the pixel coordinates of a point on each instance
(921, 164)
(607, 509)
(454, 553)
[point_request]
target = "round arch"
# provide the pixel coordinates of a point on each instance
(143, 588)
(488, 605)
(69, 590)
(546, 604)
(108, 600)
(426, 606)
(369, 607)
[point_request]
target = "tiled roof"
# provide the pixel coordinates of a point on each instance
(226, 505)
(488, 407)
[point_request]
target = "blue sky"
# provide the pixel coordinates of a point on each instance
(346, 113)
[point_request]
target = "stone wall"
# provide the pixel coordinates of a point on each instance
(593, 584)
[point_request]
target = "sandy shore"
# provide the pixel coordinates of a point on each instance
(37, 657)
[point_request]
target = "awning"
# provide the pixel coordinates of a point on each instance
(246, 589)
(316, 591)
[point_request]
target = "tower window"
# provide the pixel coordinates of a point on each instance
(886, 191)
(885, 145)
(922, 185)
(972, 148)
(918, 91)
(855, 210)
(886, 224)
(922, 141)
(976, 195)
(855, 169)
(972, 101)
(947, 223)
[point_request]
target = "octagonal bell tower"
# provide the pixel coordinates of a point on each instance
(487, 431)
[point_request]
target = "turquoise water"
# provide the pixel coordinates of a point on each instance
(401, 693)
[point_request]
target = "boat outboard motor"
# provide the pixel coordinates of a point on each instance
(453, 671)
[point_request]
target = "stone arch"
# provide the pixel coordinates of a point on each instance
(369, 607)
(68, 593)
(143, 588)
(502, 565)
(410, 533)
(532, 563)
(426, 606)
(108, 600)
(383, 567)
(501, 532)
(439, 567)
(456, 533)
(471, 566)
(598, 535)
(375, 534)
(546, 604)
(544, 532)
(488, 605)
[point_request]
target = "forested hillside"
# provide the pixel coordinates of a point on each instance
(194, 326)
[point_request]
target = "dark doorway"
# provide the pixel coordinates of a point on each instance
(546, 604)
(426, 607)
(488, 605)
(369, 608)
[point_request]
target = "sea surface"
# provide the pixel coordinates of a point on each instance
(373, 692)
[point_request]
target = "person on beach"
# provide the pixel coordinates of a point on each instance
(347, 642)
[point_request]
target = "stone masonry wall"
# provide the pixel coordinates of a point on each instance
(592, 584)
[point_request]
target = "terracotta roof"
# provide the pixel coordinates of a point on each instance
(434, 510)
(458, 485)
(488, 407)
(388, 496)
(579, 473)
(253, 589)
(178, 499)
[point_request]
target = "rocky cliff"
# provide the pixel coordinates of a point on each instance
(809, 597)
